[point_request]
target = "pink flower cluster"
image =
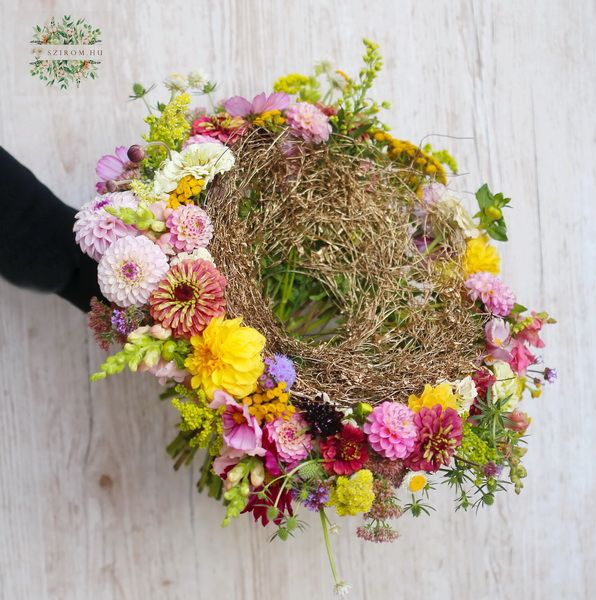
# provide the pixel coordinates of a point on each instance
(495, 295)
(308, 122)
(391, 431)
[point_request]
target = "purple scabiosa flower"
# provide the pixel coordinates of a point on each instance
(491, 469)
(550, 375)
(317, 497)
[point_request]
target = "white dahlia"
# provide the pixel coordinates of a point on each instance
(96, 230)
(130, 270)
(201, 161)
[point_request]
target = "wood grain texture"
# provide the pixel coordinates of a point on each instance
(90, 507)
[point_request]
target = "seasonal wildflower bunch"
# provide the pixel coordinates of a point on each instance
(275, 436)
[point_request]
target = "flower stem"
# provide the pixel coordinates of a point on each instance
(323, 517)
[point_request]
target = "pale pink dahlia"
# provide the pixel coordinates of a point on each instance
(95, 229)
(190, 228)
(495, 295)
(130, 270)
(291, 440)
(308, 122)
(191, 294)
(391, 431)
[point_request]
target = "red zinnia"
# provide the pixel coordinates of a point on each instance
(191, 294)
(439, 434)
(345, 452)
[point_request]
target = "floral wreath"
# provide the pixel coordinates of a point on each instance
(64, 72)
(173, 230)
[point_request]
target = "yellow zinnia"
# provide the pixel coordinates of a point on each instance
(226, 356)
(481, 256)
(441, 394)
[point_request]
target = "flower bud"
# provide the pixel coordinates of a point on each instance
(111, 185)
(257, 474)
(136, 153)
(494, 213)
(517, 421)
(236, 474)
(159, 332)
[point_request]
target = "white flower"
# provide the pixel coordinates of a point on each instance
(465, 391)
(451, 206)
(505, 386)
(199, 253)
(342, 588)
(176, 82)
(201, 161)
(197, 79)
(130, 269)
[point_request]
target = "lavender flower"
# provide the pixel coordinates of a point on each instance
(277, 369)
(550, 375)
(317, 498)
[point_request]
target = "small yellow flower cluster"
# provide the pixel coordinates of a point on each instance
(266, 406)
(353, 495)
(290, 84)
(270, 119)
(481, 256)
(410, 155)
(204, 421)
(188, 188)
(440, 394)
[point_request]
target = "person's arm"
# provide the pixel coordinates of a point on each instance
(37, 246)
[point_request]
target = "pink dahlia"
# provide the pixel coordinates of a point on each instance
(130, 270)
(114, 167)
(391, 431)
(292, 441)
(495, 295)
(238, 106)
(308, 122)
(439, 434)
(241, 431)
(95, 229)
(189, 296)
(190, 228)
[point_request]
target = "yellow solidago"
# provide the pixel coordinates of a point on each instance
(353, 495)
(270, 119)
(481, 256)
(269, 405)
(171, 128)
(440, 394)
(291, 84)
(188, 188)
(227, 356)
(205, 422)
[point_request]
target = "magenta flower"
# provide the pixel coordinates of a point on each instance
(439, 434)
(498, 339)
(241, 430)
(391, 431)
(114, 167)
(238, 106)
(308, 122)
(495, 295)
(531, 333)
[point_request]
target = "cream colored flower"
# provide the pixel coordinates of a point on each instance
(199, 253)
(451, 207)
(201, 161)
(465, 393)
(505, 386)
(176, 82)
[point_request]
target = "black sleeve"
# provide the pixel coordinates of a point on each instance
(37, 246)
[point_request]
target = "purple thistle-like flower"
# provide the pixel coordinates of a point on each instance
(317, 498)
(277, 369)
(491, 469)
(550, 375)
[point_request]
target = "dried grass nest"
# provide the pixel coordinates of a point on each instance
(403, 318)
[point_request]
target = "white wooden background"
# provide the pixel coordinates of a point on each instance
(90, 506)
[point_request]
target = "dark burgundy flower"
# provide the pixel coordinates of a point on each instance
(258, 506)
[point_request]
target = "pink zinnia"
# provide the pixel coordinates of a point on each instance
(96, 230)
(308, 122)
(221, 127)
(498, 339)
(191, 294)
(241, 430)
(114, 167)
(190, 228)
(439, 434)
(238, 106)
(495, 295)
(291, 440)
(391, 431)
